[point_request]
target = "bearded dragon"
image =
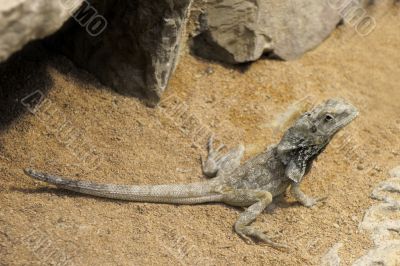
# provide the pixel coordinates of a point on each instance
(253, 184)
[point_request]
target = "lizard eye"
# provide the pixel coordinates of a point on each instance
(328, 117)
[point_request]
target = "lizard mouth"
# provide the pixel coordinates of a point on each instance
(351, 116)
(353, 113)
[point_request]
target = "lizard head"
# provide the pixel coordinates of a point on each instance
(310, 134)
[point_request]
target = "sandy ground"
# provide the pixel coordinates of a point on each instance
(87, 131)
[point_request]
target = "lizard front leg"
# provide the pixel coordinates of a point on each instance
(302, 197)
(258, 201)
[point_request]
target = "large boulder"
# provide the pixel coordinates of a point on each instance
(237, 31)
(24, 20)
(130, 45)
(137, 50)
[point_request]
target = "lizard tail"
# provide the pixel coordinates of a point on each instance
(193, 193)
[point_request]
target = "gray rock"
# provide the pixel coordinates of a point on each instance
(382, 221)
(138, 50)
(331, 258)
(237, 31)
(395, 172)
(24, 20)
(385, 255)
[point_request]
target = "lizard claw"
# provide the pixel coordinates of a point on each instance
(276, 245)
(249, 234)
(322, 199)
(210, 143)
(268, 242)
(220, 147)
(311, 202)
(246, 239)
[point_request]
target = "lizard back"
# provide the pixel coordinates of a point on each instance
(262, 172)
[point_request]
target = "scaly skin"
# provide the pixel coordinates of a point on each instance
(253, 184)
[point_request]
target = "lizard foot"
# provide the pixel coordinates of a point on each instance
(303, 198)
(248, 233)
(210, 165)
(216, 162)
(311, 202)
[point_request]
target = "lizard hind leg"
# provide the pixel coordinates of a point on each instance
(216, 163)
(242, 225)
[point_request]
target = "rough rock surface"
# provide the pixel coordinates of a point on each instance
(383, 222)
(395, 172)
(385, 255)
(24, 20)
(236, 31)
(331, 258)
(138, 51)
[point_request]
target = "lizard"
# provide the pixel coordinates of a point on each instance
(252, 185)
